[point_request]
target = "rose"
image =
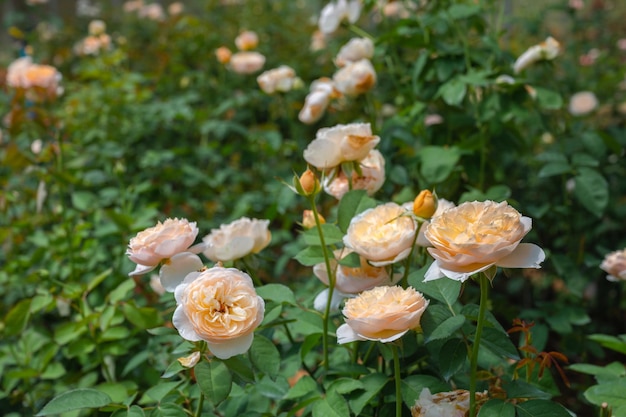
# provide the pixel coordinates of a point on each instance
(382, 314)
(220, 306)
(371, 179)
(548, 49)
(280, 79)
(223, 54)
(477, 235)
(355, 50)
(444, 404)
(615, 265)
(582, 103)
(333, 13)
(321, 92)
(246, 62)
(247, 40)
(382, 235)
(341, 143)
(425, 204)
(155, 244)
(355, 78)
(237, 239)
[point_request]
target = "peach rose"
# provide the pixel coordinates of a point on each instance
(247, 40)
(280, 79)
(218, 305)
(153, 11)
(341, 143)
(335, 12)
(383, 235)
(371, 180)
(449, 404)
(442, 205)
(355, 78)
(246, 62)
(355, 50)
(321, 92)
(582, 103)
(237, 239)
(614, 264)
(175, 8)
(382, 314)
(548, 49)
(223, 55)
(475, 236)
(160, 242)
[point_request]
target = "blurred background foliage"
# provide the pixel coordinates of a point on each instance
(156, 127)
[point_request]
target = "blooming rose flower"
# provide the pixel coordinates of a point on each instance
(175, 8)
(615, 265)
(153, 11)
(218, 305)
(353, 280)
(382, 314)
(548, 49)
(383, 235)
(247, 40)
(475, 236)
(237, 239)
(583, 103)
(93, 44)
(341, 143)
(445, 404)
(371, 180)
(246, 62)
(355, 50)
(23, 73)
(322, 91)
(97, 27)
(355, 78)
(223, 54)
(160, 242)
(442, 205)
(333, 13)
(280, 79)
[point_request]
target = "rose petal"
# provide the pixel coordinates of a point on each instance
(232, 347)
(526, 255)
(236, 248)
(174, 271)
(322, 154)
(433, 272)
(463, 276)
(141, 269)
(183, 325)
(345, 334)
(322, 298)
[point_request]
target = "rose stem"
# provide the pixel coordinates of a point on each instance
(484, 294)
(396, 370)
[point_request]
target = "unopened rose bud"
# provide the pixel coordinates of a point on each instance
(307, 184)
(425, 204)
(223, 54)
(308, 219)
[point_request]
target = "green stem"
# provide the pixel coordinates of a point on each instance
(200, 405)
(405, 278)
(257, 281)
(331, 281)
(396, 371)
(484, 294)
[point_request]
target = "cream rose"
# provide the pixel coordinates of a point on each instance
(371, 180)
(382, 314)
(335, 12)
(614, 264)
(548, 49)
(218, 305)
(442, 205)
(582, 103)
(247, 40)
(237, 239)
(383, 235)
(449, 404)
(322, 91)
(160, 242)
(341, 143)
(247, 62)
(355, 50)
(355, 78)
(477, 235)
(280, 79)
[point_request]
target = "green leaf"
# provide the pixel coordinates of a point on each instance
(611, 393)
(452, 357)
(612, 371)
(334, 405)
(554, 168)
(135, 411)
(447, 328)
(445, 290)
(499, 343)
(547, 99)
(332, 234)
(169, 410)
(264, 355)
(122, 290)
(351, 204)
(345, 385)
(278, 293)
(305, 386)
(453, 91)
(142, 317)
(541, 408)
(214, 380)
(497, 408)
(372, 384)
(83, 200)
(77, 399)
(438, 162)
(95, 281)
(584, 160)
(158, 391)
(16, 319)
(413, 385)
(592, 191)
(310, 256)
(617, 344)
(463, 11)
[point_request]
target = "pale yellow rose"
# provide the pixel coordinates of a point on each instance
(355, 50)
(383, 235)
(614, 264)
(247, 40)
(220, 306)
(442, 205)
(281, 79)
(335, 12)
(355, 78)
(341, 143)
(160, 242)
(97, 27)
(382, 314)
(246, 62)
(475, 236)
(322, 91)
(582, 103)
(445, 404)
(371, 180)
(237, 239)
(548, 50)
